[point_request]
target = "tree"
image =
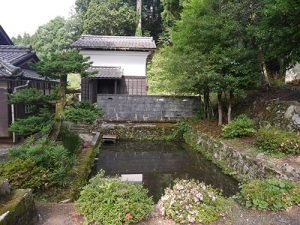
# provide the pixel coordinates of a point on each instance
(51, 37)
(41, 117)
(23, 40)
(170, 14)
(109, 17)
(138, 31)
(207, 56)
(58, 65)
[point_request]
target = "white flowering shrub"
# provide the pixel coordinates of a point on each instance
(190, 201)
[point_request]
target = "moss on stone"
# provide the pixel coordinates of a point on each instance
(20, 208)
(83, 169)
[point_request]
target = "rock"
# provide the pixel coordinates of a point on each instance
(4, 188)
(288, 168)
(296, 119)
(260, 156)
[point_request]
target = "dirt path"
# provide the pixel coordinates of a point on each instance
(64, 214)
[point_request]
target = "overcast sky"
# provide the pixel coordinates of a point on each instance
(19, 16)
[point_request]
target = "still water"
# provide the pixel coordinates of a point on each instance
(157, 164)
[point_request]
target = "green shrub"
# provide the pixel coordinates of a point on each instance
(272, 194)
(277, 141)
(33, 124)
(190, 201)
(25, 174)
(110, 201)
(242, 126)
(82, 112)
(71, 141)
(47, 154)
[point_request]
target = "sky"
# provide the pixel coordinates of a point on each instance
(19, 16)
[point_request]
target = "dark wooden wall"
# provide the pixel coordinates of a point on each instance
(129, 85)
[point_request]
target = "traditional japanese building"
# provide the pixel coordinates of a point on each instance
(15, 75)
(119, 64)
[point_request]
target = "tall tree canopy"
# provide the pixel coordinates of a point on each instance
(109, 17)
(51, 37)
(207, 55)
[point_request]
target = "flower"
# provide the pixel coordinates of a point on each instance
(128, 216)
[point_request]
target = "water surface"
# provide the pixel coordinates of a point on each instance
(157, 164)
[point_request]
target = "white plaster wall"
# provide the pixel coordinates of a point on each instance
(133, 63)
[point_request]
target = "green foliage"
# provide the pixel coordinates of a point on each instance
(52, 37)
(33, 124)
(83, 111)
(272, 194)
(70, 140)
(28, 96)
(41, 116)
(190, 201)
(109, 17)
(25, 174)
(59, 64)
(278, 141)
(241, 126)
(47, 154)
(181, 128)
(110, 201)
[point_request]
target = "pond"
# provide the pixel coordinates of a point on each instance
(157, 164)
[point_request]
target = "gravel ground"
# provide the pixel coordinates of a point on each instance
(64, 214)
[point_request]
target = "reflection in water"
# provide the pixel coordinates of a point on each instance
(158, 164)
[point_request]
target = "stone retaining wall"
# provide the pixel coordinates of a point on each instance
(240, 164)
(18, 209)
(147, 108)
(136, 131)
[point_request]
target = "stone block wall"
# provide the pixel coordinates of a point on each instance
(241, 164)
(147, 108)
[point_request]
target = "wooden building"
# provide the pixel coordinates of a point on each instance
(119, 64)
(15, 75)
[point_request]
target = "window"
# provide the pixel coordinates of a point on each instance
(28, 108)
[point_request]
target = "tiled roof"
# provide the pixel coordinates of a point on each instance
(115, 43)
(4, 38)
(12, 57)
(106, 72)
(15, 54)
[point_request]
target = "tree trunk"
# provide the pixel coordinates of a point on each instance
(138, 31)
(264, 71)
(59, 109)
(220, 110)
(206, 103)
(229, 106)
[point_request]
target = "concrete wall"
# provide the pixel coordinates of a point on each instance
(147, 108)
(133, 63)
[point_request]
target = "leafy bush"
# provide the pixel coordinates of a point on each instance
(33, 124)
(110, 201)
(82, 112)
(70, 139)
(190, 201)
(269, 194)
(25, 174)
(241, 126)
(277, 141)
(181, 128)
(47, 154)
